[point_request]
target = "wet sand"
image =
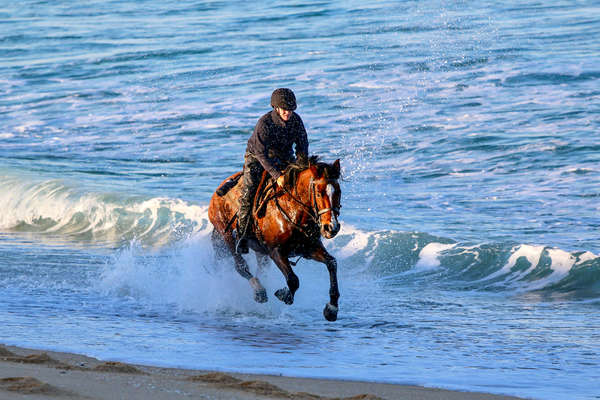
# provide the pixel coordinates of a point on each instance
(30, 374)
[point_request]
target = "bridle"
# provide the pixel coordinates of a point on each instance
(336, 210)
(312, 210)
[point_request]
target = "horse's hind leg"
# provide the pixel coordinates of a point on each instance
(262, 260)
(218, 244)
(241, 266)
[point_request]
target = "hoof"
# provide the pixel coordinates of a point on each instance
(330, 312)
(260, 296)
(285, 295)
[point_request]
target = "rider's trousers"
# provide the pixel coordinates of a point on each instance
(251, 179)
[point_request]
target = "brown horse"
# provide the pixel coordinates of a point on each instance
(288, 222)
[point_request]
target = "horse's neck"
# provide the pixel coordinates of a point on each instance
(298, 200)
(302, 188)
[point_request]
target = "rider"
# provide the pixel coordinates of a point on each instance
(269, 148)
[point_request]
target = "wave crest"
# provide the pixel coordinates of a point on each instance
(53, 208)
(402, 258)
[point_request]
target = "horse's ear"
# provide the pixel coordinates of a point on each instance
(336, 165)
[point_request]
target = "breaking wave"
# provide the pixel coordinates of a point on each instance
(397, 257)
(54, 209)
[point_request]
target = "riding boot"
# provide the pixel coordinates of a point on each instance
(243, 229)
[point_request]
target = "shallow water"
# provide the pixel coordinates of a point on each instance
(468, 141)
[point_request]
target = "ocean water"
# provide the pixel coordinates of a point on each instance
(468, 134)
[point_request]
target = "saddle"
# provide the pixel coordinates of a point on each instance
(265, 191)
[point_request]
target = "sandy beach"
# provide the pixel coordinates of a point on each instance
(31, 374)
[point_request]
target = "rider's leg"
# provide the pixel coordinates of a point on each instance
(251, 179)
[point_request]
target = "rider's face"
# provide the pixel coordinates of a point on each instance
(284, 114)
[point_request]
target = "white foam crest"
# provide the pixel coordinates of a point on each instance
(429, 257)
(562, 262)
(587, 256)
(531, 253)
(358, 242)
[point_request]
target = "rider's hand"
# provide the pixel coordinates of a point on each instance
(280, 181)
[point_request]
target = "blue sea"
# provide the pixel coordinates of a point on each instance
(469, 139)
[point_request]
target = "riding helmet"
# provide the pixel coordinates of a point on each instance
(283, 98)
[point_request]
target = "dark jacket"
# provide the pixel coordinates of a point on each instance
(272, 140)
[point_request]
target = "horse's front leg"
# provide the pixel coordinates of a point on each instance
(285, 294)
(331, 309)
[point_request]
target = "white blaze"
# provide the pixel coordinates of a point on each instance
(330, 192)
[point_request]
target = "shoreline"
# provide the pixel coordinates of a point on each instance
(37, 374)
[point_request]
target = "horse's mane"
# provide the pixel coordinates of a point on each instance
(303, 163)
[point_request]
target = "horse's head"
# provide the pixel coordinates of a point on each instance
(326, 196)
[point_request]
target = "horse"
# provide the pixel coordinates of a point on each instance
(288, 222)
